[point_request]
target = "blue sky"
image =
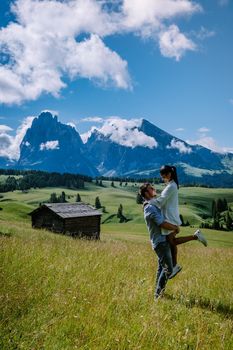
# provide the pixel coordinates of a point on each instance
(173, 67)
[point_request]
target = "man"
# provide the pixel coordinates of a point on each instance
(155, 221)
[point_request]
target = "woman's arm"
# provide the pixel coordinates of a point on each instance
(164, 197)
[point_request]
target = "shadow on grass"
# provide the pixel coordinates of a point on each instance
(5, 234)
(203, 303)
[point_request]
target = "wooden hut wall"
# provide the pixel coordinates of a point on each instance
(88, 225)
(44, 218)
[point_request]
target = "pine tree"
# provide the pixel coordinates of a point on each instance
(120, 214)
(63, 197)
(53, 198)
(225, 205)
(112, 184)
(228, 221)
(214, 209)
(120, 211)
(220, 205)
(139, 199)
(78, 198)
(97, 203)
(182, 220)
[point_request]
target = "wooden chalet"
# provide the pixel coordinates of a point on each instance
(74, 219)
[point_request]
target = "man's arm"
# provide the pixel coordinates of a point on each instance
(168, 226)
(154, 214)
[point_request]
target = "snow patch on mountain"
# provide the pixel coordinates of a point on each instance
(49, 145)
(198, 172)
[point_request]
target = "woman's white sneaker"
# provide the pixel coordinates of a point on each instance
(200, 237)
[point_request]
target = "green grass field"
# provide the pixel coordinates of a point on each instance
(63, 293)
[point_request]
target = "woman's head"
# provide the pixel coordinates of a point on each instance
(168, 173)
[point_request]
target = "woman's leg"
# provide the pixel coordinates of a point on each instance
(174, 242)
(181, 240)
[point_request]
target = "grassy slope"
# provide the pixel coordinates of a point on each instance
(62, 293)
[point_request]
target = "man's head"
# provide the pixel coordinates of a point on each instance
(147, 191)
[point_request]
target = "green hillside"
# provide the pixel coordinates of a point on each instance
(194, 202)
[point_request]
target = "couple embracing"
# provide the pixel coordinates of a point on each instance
(163, 220)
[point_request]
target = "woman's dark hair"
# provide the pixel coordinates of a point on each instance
(166, 169)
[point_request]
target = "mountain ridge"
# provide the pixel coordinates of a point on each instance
(120, 148)
(53, 146)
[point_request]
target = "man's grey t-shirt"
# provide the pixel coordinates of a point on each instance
(154, 219)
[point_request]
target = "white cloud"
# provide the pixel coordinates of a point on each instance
(124, 132)
(182, 148)
(147, 15)
(204, 33)
(5, 142)
(10, 145)
(20, 133)
(85, 136)
(203, 130)
(52, 111)
(210, 143)
(179, 129)
(223, 2)
(149, 19)
(92, 119)
(173, 43)
(73, 125)
(227, 149)
(43, 48)
(4, 128)
(49, 145)
(105, 66)
(44, 44)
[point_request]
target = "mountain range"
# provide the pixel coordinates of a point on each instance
(135, 148)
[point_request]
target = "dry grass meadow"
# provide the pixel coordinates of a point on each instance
(60, 293)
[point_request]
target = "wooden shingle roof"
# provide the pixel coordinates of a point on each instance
(70, 210)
